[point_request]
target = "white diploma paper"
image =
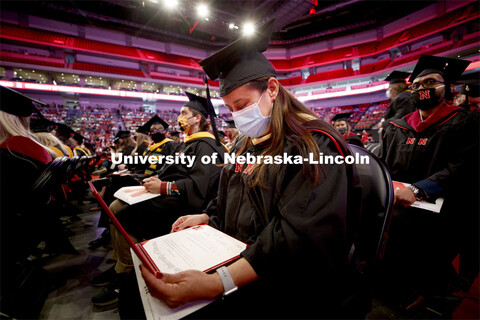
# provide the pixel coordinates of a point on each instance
(199, 248)
(136, 194)
(434, 207)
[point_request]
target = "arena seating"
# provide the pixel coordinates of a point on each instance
(107, 69)
(449, 21)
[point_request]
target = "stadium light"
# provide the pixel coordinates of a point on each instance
(231, 26)
(248, 29)
(170, 4)
(202, 10)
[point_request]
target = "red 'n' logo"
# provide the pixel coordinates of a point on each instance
(238, 167)
(424, 95)
(410, 140)
(422, 142)
(248, 169)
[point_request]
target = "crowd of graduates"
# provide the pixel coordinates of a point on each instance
(300, 221)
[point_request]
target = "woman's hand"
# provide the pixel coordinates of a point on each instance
(189, 221)
(180, 288)
(152, 184)
(404, 198)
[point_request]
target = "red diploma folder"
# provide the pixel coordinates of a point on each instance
(139, 250)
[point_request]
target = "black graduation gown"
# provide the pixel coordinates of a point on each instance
(197, 186)
(443, 160)
(296, 236)
(163, 148)
(354, 139)
(399, 107)
(143, 147)
(22, 161)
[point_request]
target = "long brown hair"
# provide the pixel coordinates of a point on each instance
(287, 118)
(204, 125)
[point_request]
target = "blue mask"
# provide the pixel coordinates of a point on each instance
(250, 121)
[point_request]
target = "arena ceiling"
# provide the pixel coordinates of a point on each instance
(297, 21)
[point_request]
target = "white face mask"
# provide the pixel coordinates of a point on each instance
(250, 120)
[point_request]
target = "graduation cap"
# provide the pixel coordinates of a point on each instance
(78, 137)
(471, 84)
(342, 116)
(230, 124)
(15, 103)
(205, 107)
(397, 77)
(450, 69)
(145, 129)
(174, 134)
(241, 61)
(40, 125)
(197, 103)
(222, 134)
(64, 130)
(122, 134)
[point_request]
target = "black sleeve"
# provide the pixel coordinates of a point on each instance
(462, 160)
(200, 179)
(400, 106)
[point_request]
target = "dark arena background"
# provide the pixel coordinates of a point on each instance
(106, 66)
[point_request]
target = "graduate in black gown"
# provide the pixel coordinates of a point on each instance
(161, 146)
(293, 216)
(24, 218)
(341, 123)
(156, 127)
(436, 149)
(468, 96)
(401, 103)
(185, 188)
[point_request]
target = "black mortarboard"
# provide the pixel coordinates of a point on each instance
(450, 69)
(174, 134)
(145, 129)
(222, 134)
(241, 61)
(78, 137)
(471, 84)
(40, 124)
(197, 103)
(13, 102)
(397, 77)
(342, 116)
(230, 124)
(471, 90)
(64, 130)
(123, 134)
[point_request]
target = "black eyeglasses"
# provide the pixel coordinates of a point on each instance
(427, 83)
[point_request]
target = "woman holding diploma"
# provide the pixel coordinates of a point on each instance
(292, 216)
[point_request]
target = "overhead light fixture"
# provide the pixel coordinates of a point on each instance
(202, 10)
(248, 29)
(170, 4)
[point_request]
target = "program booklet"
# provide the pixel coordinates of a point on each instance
(136, 194)
(202, 248)
(435, 207)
